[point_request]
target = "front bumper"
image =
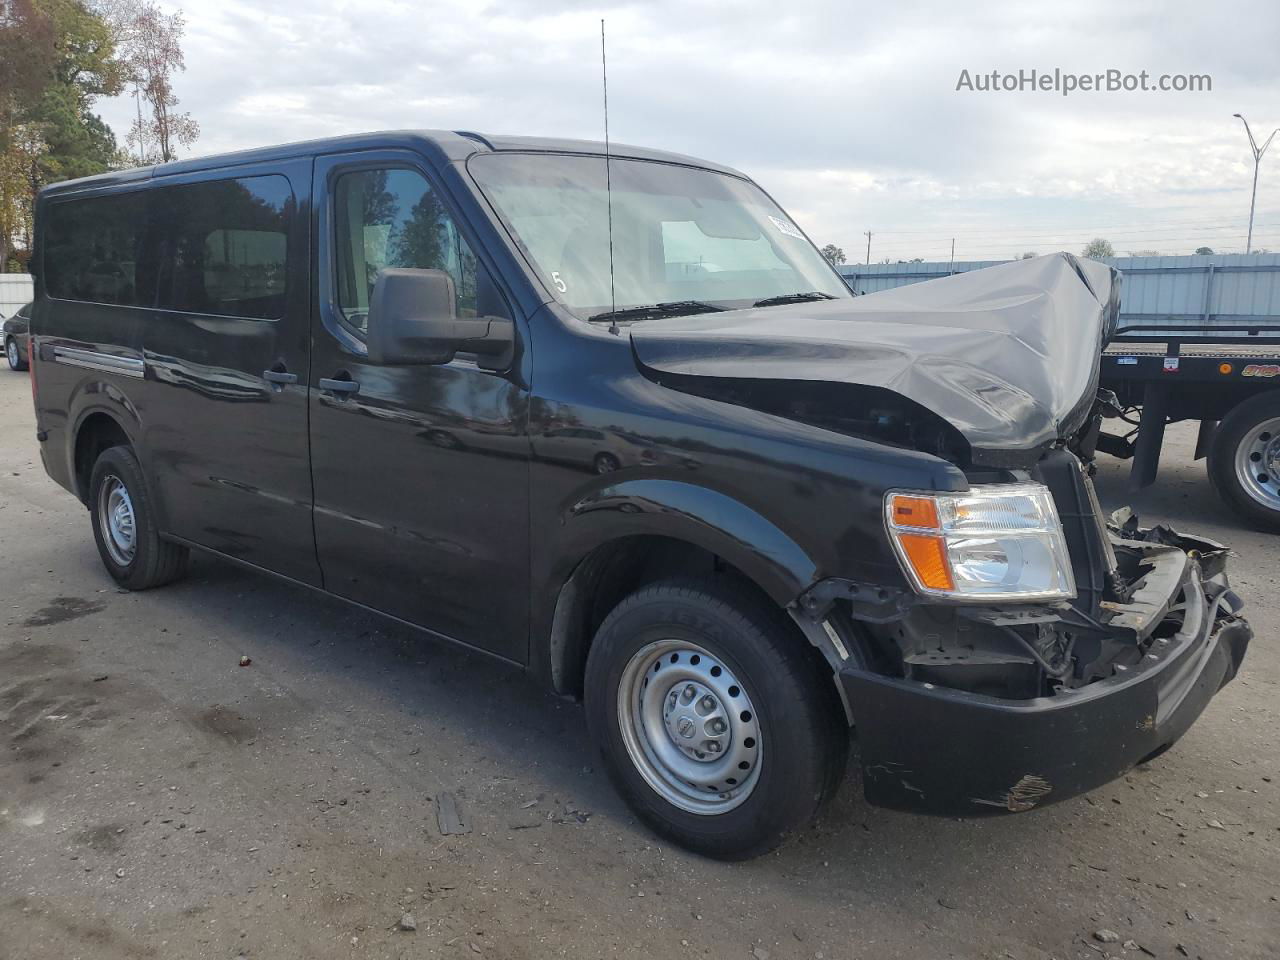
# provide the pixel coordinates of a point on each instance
(930, 749)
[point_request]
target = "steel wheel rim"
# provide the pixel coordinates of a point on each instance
(1258, 463)
(12, 351)
(116, 520)
(690, 727)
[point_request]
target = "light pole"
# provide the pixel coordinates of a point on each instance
(1257, 159)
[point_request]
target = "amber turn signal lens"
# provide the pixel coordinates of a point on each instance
(928, 558)
(1224, 368)
(914, 512)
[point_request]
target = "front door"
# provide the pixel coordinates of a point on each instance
(420, 472)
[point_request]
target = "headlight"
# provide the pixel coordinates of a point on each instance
(1000, 542)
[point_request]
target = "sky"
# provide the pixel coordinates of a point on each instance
(847, 113)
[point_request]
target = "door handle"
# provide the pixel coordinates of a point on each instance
(279, 376)
(339, 386)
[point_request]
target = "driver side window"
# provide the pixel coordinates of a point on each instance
(392, 218)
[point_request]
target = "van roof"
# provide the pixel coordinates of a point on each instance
(445, 145)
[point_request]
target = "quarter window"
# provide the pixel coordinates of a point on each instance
(99, 250)
(392, 218)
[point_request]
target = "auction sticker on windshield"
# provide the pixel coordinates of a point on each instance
(786, 228)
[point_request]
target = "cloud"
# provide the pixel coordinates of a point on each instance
(847, 114)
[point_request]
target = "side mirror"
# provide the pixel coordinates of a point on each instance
(412, 320)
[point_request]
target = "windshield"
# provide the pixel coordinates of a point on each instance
(679, 233)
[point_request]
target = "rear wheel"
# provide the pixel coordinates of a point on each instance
(12, 355)
(1244, 460)
(124, 524)
(717, 724)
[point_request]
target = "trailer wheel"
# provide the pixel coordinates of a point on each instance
(1244, 460)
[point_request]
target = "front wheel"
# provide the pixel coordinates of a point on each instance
(717, 724)
(1244, 460)
(13, 356)
(124, 524)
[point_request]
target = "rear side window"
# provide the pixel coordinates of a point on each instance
(219, 247)
(99, 249)
(226, 246)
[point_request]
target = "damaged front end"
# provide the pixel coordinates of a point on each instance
(1030, 650)
(988, 708)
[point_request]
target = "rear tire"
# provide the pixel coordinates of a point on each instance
(124, 525)
(1244, 460)
(12, 354)
(717, 724)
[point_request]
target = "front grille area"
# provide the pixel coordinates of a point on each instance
(1091, 558)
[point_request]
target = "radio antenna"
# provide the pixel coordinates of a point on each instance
(608, 181)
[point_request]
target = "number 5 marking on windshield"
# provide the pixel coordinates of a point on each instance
(555, 278)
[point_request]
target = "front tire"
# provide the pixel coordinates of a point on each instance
(1244, 460)
(12, 354)
(124, 524)
(717, 724)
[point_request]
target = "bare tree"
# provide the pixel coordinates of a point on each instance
(150, 43)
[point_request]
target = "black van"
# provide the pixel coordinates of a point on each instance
(612, 418)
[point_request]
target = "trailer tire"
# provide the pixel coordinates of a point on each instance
(1244, 460)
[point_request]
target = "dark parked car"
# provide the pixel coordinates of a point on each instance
(15, 331)
(613, 419)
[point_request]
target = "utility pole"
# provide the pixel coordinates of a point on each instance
(951, 268)
(1257, 160)
(137, 99)
(867, 234)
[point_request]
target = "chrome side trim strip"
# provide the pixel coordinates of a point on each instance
(106, 363)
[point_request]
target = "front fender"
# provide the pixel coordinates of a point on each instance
(698, 515)
(655, 507)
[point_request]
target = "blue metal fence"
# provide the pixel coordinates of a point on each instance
(1231, 290)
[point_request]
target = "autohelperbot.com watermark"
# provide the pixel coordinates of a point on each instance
(1065, 83)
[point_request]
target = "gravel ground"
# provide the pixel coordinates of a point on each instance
(159, 800)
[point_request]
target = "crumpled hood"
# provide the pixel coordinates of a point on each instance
(1009, 355)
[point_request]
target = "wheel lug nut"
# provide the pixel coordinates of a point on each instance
(708, 703)
(689, 694)
(711, 746)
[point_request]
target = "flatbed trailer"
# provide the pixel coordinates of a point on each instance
(1225, 377)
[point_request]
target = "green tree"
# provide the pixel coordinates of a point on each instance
(834, 255)
(1204, 251)
(57, 57)
(1098, 248)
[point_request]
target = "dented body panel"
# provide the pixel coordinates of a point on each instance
(930, 749)
(1008, 355)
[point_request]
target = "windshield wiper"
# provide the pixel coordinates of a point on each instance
(794, 298)
(673, 308)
